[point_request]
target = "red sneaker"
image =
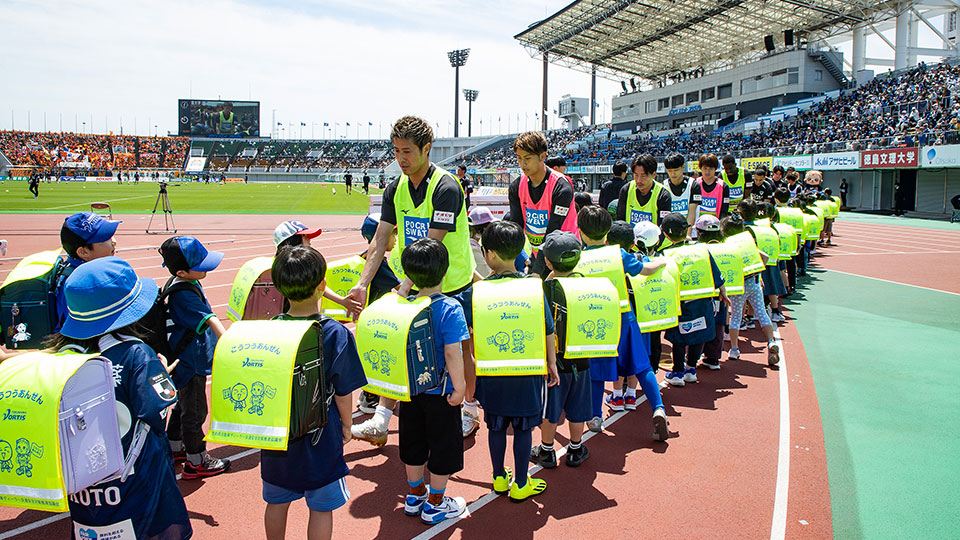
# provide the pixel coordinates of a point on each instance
(211, 466)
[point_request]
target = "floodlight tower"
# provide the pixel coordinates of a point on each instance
(457, 59)
(471, 96)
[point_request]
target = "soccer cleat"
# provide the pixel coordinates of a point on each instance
(578, 456)
(674, 378)
(468, 423)
(734, 353)
(367, 403)
(660, 425)
(614, 402)
(210, 466)
(773, 353)
(595, 424)
(690, 375)
(369, 430)
(501, 484)
(544, 458)
(630, 403)
(413, 504)
(534, 486)
(451, 507)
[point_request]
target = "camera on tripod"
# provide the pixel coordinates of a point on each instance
(163, 203)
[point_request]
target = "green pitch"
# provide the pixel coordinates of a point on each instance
(188, 198)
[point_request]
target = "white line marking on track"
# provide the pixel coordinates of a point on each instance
(491, 496)
(778, 527)
(893, 282)
(87, 203)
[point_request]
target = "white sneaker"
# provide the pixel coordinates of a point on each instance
(734, 353)
(451, 507)
(726, 336)
(773, 353)
(777, 317)
(674, 378)
(371, 431)
(468, 422)
(690, 375)
(660, 432)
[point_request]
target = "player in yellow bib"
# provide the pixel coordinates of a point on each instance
(425, 201)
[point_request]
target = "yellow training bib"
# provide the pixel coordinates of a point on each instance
(657, 297)
(508, 327)
(593, 317)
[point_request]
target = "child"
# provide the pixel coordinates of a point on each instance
(753, 293)
(708, 232)
(187, 260)
(315, 472)
(511, 401)
(105, 299)
(647, 237)
(294, 233)
(688, 346)
(571, 397)
(85, 236)
(383, 282)
(430, 423)
(621, 234)
(773, 288)
(479, 218)
(634, 348)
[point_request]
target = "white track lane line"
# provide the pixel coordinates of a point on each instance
(888, 281)
(778, 527)
(491, 496)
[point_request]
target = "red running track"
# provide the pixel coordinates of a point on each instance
(716, 477)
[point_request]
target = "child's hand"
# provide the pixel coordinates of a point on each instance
(455, 398)
(347, 434)
(405, 287)
(170, 367)
(552, 377)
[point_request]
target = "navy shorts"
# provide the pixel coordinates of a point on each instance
(323, 499)
(571, 396)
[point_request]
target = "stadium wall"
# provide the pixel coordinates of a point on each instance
(634, 109)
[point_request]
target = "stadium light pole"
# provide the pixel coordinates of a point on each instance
(471, 96)
(457, 59)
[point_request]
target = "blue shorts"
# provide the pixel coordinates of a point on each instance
(324, 499)
(571, 396)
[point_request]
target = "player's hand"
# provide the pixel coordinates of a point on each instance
(168, 367)
(455, 398)
(347, 434)
(357, 296)
(353, 307)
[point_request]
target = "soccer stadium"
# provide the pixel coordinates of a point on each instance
(737, 223)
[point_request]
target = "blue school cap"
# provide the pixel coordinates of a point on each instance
(187, 253)
(103, 295)
(91, 228)
(369, 227)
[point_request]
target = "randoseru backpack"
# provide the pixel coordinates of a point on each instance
(157, 325)
(311, 394)
(28, 307)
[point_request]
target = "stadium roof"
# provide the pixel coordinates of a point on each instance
(655, 38)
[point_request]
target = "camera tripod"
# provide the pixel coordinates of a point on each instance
(163, 202)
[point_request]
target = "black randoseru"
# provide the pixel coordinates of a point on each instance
(155, 325)
(310, 396)
(33, 303)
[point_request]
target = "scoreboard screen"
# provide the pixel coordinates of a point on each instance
(218, 118)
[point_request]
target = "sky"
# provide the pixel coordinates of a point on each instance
(101, 66)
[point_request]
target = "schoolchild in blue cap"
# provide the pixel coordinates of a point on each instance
(85, 236)
(105, 299)
(195, 329)
(384, 281)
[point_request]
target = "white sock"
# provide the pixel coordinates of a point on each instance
(631, 392)
(617, 392)
(382, 416)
